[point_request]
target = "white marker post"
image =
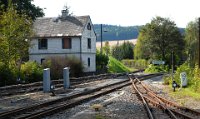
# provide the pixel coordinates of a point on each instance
(46, 80)
(183, 77)
(66, 77)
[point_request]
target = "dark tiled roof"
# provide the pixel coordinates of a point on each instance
(56, 27)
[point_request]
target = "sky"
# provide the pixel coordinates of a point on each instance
(125, 12)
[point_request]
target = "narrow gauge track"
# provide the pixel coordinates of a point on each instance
(51, 107)
(172, 109)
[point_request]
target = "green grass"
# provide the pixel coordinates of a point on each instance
(184, 93)
(116, 66)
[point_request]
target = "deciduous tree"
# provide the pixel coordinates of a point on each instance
(106, 48)
(23, 7)
(191, 38)
(15, 32)
(158, 39)
(124, 51)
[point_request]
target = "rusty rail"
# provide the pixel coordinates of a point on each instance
(167, 103)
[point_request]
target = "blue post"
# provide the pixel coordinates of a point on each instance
(66, 77)
(46, 80)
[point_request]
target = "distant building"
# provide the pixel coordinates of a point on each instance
(65, 36)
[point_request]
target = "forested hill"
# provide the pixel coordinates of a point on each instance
(114, 32)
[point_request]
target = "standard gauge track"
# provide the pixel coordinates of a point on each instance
(172, 109)
(51, 107)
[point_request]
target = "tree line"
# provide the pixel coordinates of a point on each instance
(114, 32)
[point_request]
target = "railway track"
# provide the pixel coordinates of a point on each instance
(37, 86)
(44, 109)
(172, 109)
(51, 107)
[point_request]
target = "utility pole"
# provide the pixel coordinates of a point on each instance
(199, 42)
(101, 37)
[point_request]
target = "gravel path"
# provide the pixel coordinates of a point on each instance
(22, 100)
(121, 104)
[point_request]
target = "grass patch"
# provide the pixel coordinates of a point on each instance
(193, 87)
(184, 93)
(98, 116)
(116, 66)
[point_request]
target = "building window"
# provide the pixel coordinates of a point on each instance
(89, 26)
(42, 43)
(89, 43)
(66, 43)
(88, 62)
(42, 60)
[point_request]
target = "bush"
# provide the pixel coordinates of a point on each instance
(7, 76)
(138, 64)
(101, 61)
(184, 68)
(123, 51)
(167, 80)
(156, 68)
(193, 76)
(56, 65)
(196, 80)
(31, 72)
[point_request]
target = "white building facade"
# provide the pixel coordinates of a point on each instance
(66, 37)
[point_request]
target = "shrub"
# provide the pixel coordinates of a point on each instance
(56, 65)
(101, 61)
(156, 68)
(7, 76)
(123, 51)
(184, 68)
(31, 72)
(193, 76)
(196, 79)
(167, 79)
(138, 64)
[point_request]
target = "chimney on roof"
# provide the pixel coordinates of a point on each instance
(64, 13)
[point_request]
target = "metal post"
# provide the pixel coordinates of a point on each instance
(66, 77)
(172, 63)
(199, 42)
(46, 80)
(173, 81)
(101, 37)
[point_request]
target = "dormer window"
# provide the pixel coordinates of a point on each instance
(89, 26)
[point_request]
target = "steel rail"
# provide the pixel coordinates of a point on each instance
(40, 105)
(149, 113)
(73, 102)
(169, 103)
